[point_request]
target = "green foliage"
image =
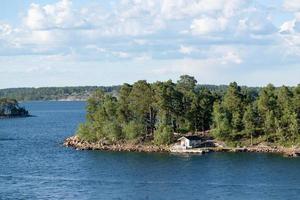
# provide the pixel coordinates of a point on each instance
(141, 101)
(133, 130)
(221, 124)
(294, 127)
(124, 112)
(163, 135)
(84, 132)
(112, 130)
(229, 113)
(249, 121)
(186, 83)
(155, 111)
(273, 115)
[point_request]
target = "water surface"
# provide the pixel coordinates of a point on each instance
(34, 165)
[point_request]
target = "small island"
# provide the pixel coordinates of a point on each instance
(183, 117)
(9, 108)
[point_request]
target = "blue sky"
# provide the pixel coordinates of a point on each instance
(96, 42)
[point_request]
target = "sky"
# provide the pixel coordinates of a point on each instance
(96, 42)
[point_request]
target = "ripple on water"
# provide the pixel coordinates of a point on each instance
(34, 165)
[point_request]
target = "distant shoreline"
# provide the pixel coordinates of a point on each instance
(60, 100)
(76, 143)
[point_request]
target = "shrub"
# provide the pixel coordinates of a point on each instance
(112, 130)
(133, 130)
(85, 132)
(163, 135)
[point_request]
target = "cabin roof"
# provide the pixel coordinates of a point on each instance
(193, 137)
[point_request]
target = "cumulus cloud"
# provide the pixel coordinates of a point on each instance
(57, 16)
(149, 18)
(208, 25)
(199, 35)
(214, 59)
(151, 26)
(5, 30)
(287, 27)
(255, 25)
(291, 5)
(290, 30)
(187, 49)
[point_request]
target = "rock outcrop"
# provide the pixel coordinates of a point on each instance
(78, 144)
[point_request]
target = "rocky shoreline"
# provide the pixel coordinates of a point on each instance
(285, 151)
(78, 144)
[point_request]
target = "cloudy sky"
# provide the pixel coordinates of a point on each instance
(96, 42)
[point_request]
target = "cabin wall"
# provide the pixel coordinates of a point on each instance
(185, 143)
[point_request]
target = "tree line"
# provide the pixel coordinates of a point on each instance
(153, 112)
(273, 116)
(80, 92)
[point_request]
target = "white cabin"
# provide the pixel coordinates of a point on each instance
(188, 142)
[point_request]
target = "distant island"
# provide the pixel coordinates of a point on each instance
(80, 93)
(154, 117)
(10, 108)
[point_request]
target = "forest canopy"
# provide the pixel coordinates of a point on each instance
(154, 112)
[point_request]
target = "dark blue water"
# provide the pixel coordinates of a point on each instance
(34, 165)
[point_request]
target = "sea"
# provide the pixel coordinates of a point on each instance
(35, 165)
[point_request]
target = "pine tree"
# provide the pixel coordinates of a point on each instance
(249, 122)
(294, 127)
(270, 125)
(221, 126)
(234, 105)
(124, 113)
(141, 105)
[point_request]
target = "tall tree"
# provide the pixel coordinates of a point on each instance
(221, 125)
(296, 102)
(141, 105)
(124, 112)
(234, 105)
(186, 85)
(267, 100)
(200, 115)
(249, 122)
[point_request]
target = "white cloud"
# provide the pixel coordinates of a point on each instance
(291, 5)
(236, 19)
(5, 30)
(208, 25)
(187, 49)
(136, 18)
(211, 35)
(255, 25)
(287, 27)
(57, 16)
(216, 58)
(231, 57)
(290, 30)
